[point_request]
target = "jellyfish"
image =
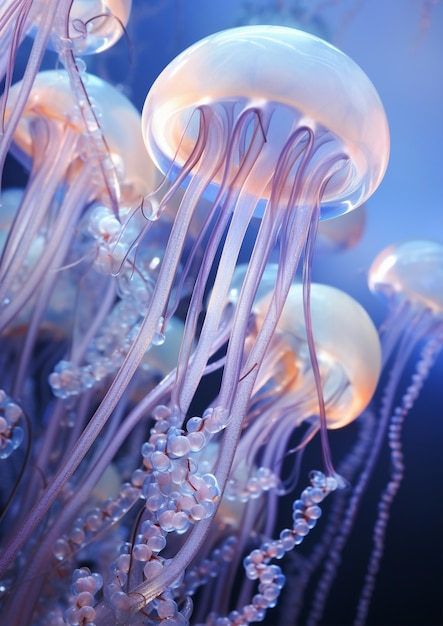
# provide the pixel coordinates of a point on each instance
(284, 398)
(51, 124)
(71, 28)
(407, 277)
(229, 122)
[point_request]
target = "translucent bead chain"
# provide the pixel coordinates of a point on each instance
(263, 480)
(84, 587)
(257, 564)
(96, 520)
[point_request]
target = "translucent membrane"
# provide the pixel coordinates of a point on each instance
(300, 78)
(410, 270)
(347, 347)
(93, 25)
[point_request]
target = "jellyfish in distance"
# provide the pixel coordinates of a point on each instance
(407, 277)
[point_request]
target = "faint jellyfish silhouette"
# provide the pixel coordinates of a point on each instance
(408, 277)
(342, 233)
(290, 13)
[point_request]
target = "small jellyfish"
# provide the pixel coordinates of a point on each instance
(408, 277)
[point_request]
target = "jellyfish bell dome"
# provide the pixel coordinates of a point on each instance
(94, 25)
(52, 100)
(291, 79)
(347, 348)
(410, 270)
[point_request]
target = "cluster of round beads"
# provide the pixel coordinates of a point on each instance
(84, 586)
(176, 494)
(96, 520)
(257, 564)
(105, 354)
(114, 239)
(11, 434)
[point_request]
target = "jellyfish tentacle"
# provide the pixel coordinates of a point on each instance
(31, 217)
(396, 420)
(239, 222)
(49, 13)
(56, 249)
(13, 39)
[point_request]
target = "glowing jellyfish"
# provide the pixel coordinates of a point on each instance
(239, 119)
(408, 277)
(67, 174)
(285, 398)
(72, 28)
